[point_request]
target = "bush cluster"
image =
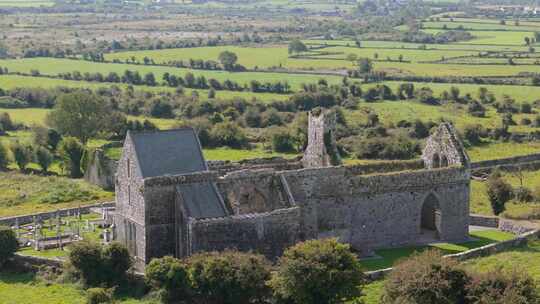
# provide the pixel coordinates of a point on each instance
(9, 242)
(318, 271)
(427, 278)
(100, 265)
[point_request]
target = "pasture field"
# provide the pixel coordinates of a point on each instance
(413, 55)
(17, 81)
(25, 193)
(493, 37)
(26, 3)
(410, 45)
(457, 70)
(53, 66)
(514, 209)
(519, 93)
(482, 26)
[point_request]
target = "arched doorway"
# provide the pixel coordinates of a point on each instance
(444, 161)
(430, 222)
(436, 161)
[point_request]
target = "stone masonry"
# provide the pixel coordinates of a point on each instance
(181, 209)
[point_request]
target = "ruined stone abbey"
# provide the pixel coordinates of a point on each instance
(170, 201)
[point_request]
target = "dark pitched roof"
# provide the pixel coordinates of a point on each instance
(201, 200)
(170, 152)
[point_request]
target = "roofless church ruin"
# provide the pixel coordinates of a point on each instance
(170, 201)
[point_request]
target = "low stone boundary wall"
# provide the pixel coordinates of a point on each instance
(486, 250)
(26, 219)
(496, 247)
(506, 161)
(37, 261)
(484, 220)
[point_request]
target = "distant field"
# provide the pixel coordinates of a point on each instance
(53, 66)
(483, 26)
(26, 3)
(15, 81)
(493, 37)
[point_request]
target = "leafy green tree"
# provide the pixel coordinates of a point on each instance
(22, 155)
(499, 192)
(44, 158)
(9, 242)
(296, 47)
(365, 65)
(170, 277)
(230, 277)
(71, 151)
(228, 60)
(79, 114)
(318, 271)
(4, 157)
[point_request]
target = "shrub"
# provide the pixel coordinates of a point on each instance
(22, 155)
(229, 277)
(71, 150)
(426, 278)
(9, 242)
(168, 276)
(280, 139)
(500, 287)
(98, 265)
(499, 192)
(4, 157)
(472, 134)
(85, 257)
(228, 134)
(99, 296)
(116, 263)
(318, 271)
(523, 194)
(44, 158)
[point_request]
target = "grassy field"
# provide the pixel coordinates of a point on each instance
(25, 194)
(17, 81)
(480, 203)
(25, 3)
(53, 66)
(25, 288)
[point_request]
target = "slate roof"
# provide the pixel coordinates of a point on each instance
(170, 152)
(201, 200)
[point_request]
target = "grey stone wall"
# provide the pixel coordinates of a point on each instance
(483, 220)
(321, 150)
(100, 170)
(253, 191)
(266, 233)
(443, 148)
(29, 218)
(130, 216)
(374, 211)
(506, 161)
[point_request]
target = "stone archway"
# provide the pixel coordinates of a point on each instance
(430, 222)
(436, 161)
(444, 161)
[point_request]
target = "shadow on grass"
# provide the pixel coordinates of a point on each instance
(12, 277)
(389, 257)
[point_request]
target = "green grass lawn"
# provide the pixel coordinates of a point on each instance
(524, 258)
(25, 288)
(388, 257)
(26, 194)
(25, 3)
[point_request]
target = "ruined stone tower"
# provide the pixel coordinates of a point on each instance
(321, 150)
